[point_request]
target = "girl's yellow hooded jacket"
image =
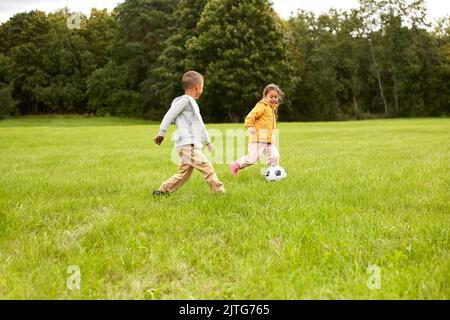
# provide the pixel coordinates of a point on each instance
(263, 119)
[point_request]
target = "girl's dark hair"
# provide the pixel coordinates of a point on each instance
(273, 87)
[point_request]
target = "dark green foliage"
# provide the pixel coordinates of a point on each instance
(239, 49)
(164, 79)
(380, 60)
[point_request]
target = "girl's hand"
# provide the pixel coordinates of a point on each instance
(210, 147)
(251, 131)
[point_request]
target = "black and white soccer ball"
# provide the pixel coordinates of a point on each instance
(275, 173)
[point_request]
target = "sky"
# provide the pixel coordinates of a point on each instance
(436, 8)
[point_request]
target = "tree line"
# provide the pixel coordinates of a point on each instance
(382, 59)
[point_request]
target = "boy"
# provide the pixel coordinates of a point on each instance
(190, 136)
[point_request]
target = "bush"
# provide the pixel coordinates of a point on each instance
(7, 103)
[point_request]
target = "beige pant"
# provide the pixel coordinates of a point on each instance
(192, 158)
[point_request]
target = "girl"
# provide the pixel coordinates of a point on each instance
(261, 122)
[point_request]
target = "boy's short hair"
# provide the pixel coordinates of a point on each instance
(190, 79)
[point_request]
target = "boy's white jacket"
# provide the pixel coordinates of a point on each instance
(185, 113)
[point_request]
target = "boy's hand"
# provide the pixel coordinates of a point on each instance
(210, 147)
(158, 140)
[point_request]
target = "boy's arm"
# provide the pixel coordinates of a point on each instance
(256, 112)
(206, 138)
(170, 116)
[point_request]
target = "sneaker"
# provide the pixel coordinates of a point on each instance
(160, 193)
(234, 167)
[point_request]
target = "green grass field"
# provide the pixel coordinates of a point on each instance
(76, 191)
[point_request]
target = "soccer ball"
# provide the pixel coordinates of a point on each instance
(275, 173)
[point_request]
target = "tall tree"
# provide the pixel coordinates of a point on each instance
(163, 81)
(7, 103)
(142, 28)
(66, 63)
(438, 86)
(239, 48)
(376, 15)
(24, 37)
(98, 30)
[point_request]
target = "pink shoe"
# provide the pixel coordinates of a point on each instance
(234, 167)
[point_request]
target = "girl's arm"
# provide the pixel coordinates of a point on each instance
(256, 112)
